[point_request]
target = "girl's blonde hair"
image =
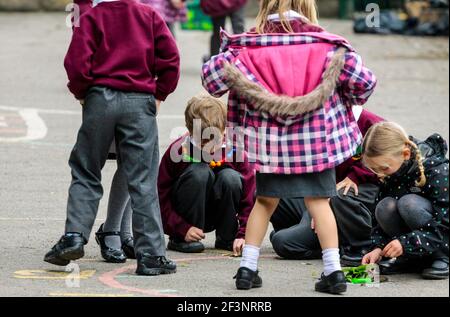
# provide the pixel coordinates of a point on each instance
(389, 138)
(305, 7)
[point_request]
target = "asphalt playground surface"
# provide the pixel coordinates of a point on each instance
(38, 124)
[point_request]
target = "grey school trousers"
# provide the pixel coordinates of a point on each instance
(130, 118)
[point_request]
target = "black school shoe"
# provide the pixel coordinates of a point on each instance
(128, 248)
(399, 265)
(335, 283)
(110, 255)
(185, 247)
(247, 279)
(437, 271)
(154, 265)
(69, 247)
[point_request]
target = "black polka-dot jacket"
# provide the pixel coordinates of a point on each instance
(434, 235)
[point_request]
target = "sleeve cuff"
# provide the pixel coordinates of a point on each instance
(159, 95)
(354, 178)
(240, 234)
(183, 229)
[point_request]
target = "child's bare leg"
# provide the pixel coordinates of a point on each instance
(326, 229)
(257, 225)
(325, 222)
(258, 222)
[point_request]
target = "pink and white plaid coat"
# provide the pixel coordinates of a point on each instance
(292, 64)
(169, 13)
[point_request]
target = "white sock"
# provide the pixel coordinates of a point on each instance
(331, 261)
(250, 255)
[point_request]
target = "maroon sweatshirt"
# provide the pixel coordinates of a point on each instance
(169, 172)
(353, 167)
(123, 45)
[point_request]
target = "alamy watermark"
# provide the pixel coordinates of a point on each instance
(73, 278)
(373, 15)
(73, 18)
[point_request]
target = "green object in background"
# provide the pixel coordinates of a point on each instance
(197, 20)
(346, 8)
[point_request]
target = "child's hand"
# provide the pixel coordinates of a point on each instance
(393, 250)
(177, 4)
(194, 234)
(238, 244)
(372, 257)
(348, 183)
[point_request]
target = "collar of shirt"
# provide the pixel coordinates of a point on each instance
(357, 110)
(290, 15)
(96, 2)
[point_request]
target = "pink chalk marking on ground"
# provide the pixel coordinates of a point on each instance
(109, 278)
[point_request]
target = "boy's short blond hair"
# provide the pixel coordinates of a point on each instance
(211, 111)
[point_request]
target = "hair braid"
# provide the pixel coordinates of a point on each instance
(422, 180)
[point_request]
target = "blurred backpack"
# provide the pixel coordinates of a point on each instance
(197, 20)
(218, 8)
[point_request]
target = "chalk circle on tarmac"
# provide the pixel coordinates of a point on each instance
(35, 128)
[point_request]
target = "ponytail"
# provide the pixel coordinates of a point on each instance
(422, 178)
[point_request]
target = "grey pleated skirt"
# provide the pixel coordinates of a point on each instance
(322, 184)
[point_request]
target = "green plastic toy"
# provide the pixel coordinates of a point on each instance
(196, 19)
(364, 274)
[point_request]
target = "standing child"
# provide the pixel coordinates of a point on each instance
(412, 212)
(219, 10)
(114, 236)
(172, 11)
(120, 72)
(353, 208)
(199, 195)
(292, 92)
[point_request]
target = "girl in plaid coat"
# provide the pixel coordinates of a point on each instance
(172, 11)
(291, 87)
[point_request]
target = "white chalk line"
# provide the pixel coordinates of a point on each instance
(36, 128)
(2, 122)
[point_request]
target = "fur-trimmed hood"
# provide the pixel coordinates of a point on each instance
(283, 105)
(290, 79)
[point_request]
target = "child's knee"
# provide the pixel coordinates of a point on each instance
(385, 210)
(288, 247)
(412, 202)
(314, 202)
(415, 210)
(230, 180)
(268, 203)
(279, 244)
